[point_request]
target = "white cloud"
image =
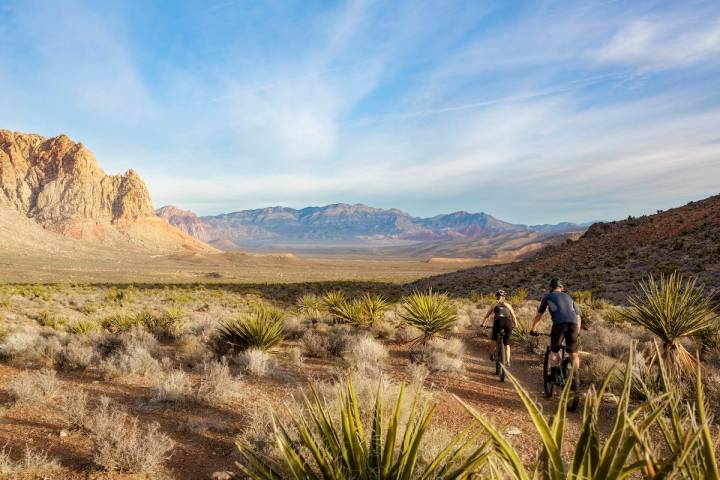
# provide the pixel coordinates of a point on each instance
(661, 43)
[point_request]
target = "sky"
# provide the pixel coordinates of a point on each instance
(535, 112)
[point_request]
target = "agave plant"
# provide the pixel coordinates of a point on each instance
(262, 330)
(672, 308)
(316, 446)
(432, 313)
(81, 327)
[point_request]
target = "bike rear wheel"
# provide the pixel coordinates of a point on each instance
(500, 366)
(548, 383)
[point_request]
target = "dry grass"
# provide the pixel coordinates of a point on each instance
(35, 388)
(365, 354)
(121, 443)
(217, 385)
(256, 362)
(173, 386)
(33, 464)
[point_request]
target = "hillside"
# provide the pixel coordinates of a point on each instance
(610, 257)
(58, 184)
(355, 224)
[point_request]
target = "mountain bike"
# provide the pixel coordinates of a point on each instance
(500, 354)
(562, 374)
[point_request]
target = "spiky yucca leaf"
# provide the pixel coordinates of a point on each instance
(372, 308)
(262, 329)
(432, 313)
(82, 327)
(672, 307)
(309, 304)
(318, 447)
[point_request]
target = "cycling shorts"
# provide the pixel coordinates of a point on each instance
(568, 331)
(502, 324)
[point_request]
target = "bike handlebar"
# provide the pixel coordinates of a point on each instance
(539, 334)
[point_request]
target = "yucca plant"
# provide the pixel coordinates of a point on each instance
(262, 330)
(372, 308)
(309, 304)
(167, 324)
(316, 446)
(629, 450)
(82, 327)
(333, 299)
(432, 313)
(672, 308)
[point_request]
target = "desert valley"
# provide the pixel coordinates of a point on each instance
(359, 240)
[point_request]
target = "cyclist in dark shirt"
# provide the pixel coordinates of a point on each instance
(504, 319)
(566, 323)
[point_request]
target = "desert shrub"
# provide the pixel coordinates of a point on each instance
(322, 444)
(137, 336)
(122, 322)
(441, 355)
(31, 388)
(432, 313)
(295, 355)
(384, 330)
(217, 385)
(167, 325)
(51, 320)
(82, 327)
(173, 386)
(256, 362)
(315, 344)
(329, 344)
(122, 443)
(365, 354)
(582, 296)
(672, 308)
(294, 328)
(89, 308)
(132, 361)
(74, 409)
(371, 308)
(192, 351)
(407, 333)
(417, 372)
(262, 329)
(5, 303)
(120, 296)
(33, 464)
(77, 354)
(518, 297)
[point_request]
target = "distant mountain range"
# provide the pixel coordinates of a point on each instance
(355, 224)
(610, 258)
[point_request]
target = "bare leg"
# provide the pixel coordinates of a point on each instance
(575, 361)
(507, 354)
(554, 359)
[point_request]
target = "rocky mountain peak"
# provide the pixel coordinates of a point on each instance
(59, 183)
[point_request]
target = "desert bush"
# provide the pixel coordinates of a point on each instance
(256, 362)
(217, 385)
(262, 329)
(33, 464)
(132, 361)
(168, 324)
(89, 308)
(32, 388)
(441, 355)
(582, 296)
(122, 443)
(323, 445)
(294, 328)
(432, 313)
(672, 308)
(407, 333)
(365, 354)
(120, 296)
(295, 355)
(51, 320)
(173, 386)
(518, 297)
(78, 353)
(384, 330)
(74, 409)
(332, 343)
(122, 322)
(138, 336)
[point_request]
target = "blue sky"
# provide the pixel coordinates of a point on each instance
(532, 111)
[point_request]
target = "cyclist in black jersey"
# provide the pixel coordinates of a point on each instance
(566, 323)
(504, 319)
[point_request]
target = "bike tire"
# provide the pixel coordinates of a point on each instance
(501, 362)
(548, 385)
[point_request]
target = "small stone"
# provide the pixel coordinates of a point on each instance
(64, 433)
(222, 476)
(513, 431)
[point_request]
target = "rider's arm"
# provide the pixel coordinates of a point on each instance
(578, 316)
(536, 320)
(512, 314)
(489, 312)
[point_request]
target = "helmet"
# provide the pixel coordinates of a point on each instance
(501, 293)
(556, 283)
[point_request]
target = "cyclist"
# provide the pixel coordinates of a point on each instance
(505, 319)
(566, 323)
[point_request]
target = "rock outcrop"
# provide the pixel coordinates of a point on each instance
(59, 184)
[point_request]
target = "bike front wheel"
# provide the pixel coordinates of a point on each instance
(548, 383)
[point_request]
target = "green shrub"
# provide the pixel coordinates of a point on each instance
(582, 296)
(120, 296)
(309, 304)
(262, 329)
(167, 324)
(518, 297)
(81, 327)
(317, 445)
(432, 313)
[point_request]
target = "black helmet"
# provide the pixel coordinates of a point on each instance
(501, 293)
(556, 283)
